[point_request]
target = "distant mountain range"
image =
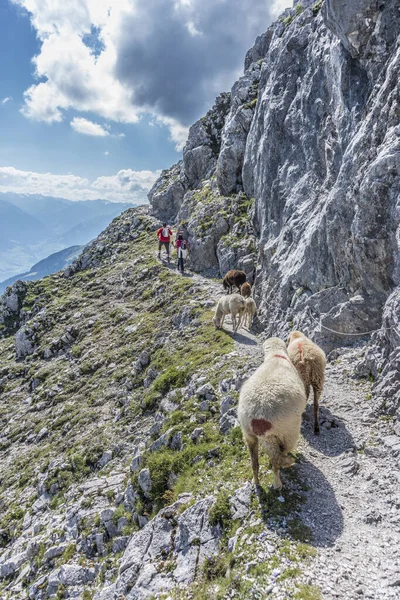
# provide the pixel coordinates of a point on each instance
(53, 263)
(33, 227)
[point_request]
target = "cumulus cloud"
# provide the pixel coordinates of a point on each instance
(88, 127)
(5, 100)
(121, 58)
(178, 132)
(126, 186)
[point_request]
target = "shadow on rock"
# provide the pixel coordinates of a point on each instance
(334, 437)
(305, 509)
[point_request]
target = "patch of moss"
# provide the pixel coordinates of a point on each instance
(317, 7)
(251, 104)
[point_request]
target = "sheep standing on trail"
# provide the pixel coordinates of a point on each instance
(310, 361)
(245, 290)
(271, 403)
(233, 305)
(249, 312)
(232, 278)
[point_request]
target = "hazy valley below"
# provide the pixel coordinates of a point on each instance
(33, 227)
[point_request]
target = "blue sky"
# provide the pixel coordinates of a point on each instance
(96, 95)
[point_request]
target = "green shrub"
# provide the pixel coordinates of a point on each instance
(317, 7)
(170, 379)
(220, 512)
(216, 566)
(68, 553)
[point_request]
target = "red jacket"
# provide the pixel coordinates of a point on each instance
(160, 235)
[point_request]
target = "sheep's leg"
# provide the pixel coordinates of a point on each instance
(222, 321)
(238, 320)
(277, 479)
(234, 323)
(317, 394)
(252, 443)
(277, 452)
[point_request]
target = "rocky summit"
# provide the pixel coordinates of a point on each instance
(123, 470)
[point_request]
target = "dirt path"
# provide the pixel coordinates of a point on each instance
(353, 507)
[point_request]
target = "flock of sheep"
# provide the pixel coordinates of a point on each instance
(273, 399)
(241, 307)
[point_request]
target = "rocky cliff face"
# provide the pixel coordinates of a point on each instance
(311, 138)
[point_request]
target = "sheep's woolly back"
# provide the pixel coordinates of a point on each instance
(234, 277)
(232, 304)
(274, 394)
(308, 358)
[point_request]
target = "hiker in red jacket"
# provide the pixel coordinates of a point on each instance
(164, 238)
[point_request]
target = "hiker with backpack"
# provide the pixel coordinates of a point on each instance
(164, 237)
(182, 247)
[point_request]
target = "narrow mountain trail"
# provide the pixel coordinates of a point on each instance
(352, 505)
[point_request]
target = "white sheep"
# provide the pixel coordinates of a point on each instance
(271, 403)
(233, 305)
(309, 360)
(249, 312)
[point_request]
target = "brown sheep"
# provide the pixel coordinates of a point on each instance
(245, 290)
(233, 278)
(310, 361)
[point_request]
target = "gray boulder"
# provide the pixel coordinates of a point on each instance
(73, 575)
(24, 342)
(188, 537)
(144, 481)
(167, 193)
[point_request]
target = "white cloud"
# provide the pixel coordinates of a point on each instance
(178, 133)
(125, 186)
(74, 76)
(88, 127)
(5, 100)
(119, 59)
(106, 153)
(278, 6)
